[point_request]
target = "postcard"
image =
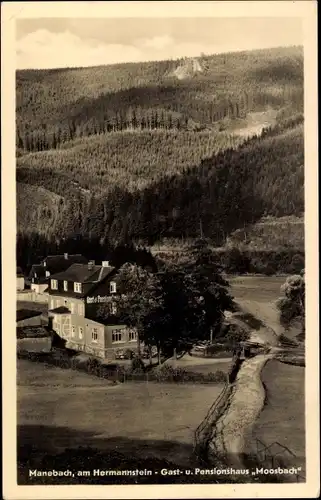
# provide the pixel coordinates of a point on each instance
(160, 222)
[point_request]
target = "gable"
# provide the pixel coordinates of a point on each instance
(102, 288)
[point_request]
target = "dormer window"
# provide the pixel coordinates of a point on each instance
(77, 287)
(112, 287)
(54, 284)
(66, 286)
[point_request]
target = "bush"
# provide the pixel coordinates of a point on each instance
(297, 263)
(137, 365)
(93, 366)
(169, 373)
(114, 372)
(236, 261)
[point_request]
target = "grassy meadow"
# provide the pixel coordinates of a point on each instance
(256, 288)
(60, 409)
(283, 417)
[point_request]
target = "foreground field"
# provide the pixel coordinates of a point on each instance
(59, 409)
(282, 419)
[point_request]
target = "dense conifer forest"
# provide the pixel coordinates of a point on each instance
(156, 150)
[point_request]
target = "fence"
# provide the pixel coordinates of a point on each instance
(203, 432)
(58, 357)
(275, 455)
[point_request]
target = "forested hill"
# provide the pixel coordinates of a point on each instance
(55, 106)
(160, 149)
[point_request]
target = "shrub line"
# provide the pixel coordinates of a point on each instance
(122, 374)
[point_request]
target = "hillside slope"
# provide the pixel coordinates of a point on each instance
(130, 160)
(39, 209)
(270, 233)
(170, 149)
(223, 192)
(54, 106)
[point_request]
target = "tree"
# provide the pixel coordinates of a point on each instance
(174, 308)
(236, 261)
(181, 315)
(141, 296)
(206, 274)
(292, 304)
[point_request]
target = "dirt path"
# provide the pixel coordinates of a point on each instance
(243, 408)
(267, 312)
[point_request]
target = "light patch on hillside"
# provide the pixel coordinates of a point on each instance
(187, 69)
(255, 123)
(270, 233)
(37, 208)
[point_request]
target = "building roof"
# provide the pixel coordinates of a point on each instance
(55, 264)
(90, 275)
(23, 314)
(60, 310)
(19, 273)
(80, 273)
(40, 271)
(25, 332)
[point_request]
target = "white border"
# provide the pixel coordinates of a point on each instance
(307, 10)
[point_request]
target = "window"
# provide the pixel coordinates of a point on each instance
(81, 332)
(94, 334)
(33, 280)
(57, 327)
(54, 284)
(132, 335)
(113, 308)
(77, 287)
(52, 305)
(112, 287)
(81, 309)
(47, 274)
(35, 275)
(72, 308)
(73, 331)
(66, 286)
(116, 336)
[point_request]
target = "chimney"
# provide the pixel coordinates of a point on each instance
(91, 264)
(105, 263)
(66, 256)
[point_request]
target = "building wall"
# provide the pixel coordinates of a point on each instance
(20, 283)
(83, 334)
(126, 341)
(81, 329)
(38, 288)
(32, 297)
(101, 296)
(76, 306)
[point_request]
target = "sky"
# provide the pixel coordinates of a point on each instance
(66, 42)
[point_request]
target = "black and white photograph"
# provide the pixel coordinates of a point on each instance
(161, 249)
